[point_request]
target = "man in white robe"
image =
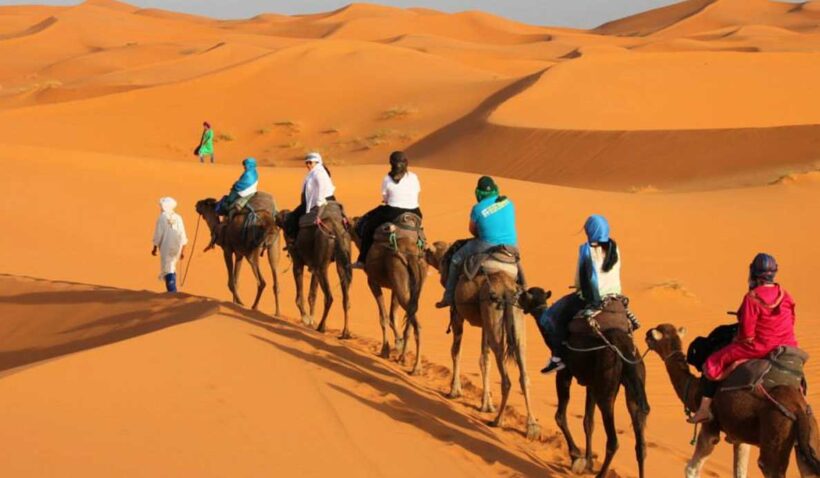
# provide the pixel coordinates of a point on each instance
(170, 239)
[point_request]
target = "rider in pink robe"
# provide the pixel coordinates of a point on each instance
(766, 319)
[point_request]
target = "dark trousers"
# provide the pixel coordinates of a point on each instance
(554, 321)
(292, 221)
(709, 388)
(171, 282)
(367, 225)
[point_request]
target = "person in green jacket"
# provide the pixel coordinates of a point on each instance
(206, 144)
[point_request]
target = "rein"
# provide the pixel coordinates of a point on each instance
(193, 250)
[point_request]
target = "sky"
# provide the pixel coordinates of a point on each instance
(572, 13)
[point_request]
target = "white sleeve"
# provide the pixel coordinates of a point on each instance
(311, 192)
(325, 188)
(159, 230)
(183, 236)
(385, 192)
(416, 184)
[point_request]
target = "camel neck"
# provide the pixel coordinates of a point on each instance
(687, 386)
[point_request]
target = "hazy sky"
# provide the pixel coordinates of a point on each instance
(575, 13)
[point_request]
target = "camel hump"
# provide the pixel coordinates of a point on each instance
(783, 367)
(406, 228)
(498, 260)
(330, 212)
(262, 201)
(612, 315)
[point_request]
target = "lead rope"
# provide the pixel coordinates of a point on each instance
(193, 250)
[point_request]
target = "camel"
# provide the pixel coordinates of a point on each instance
(602, 370)
(401, 269)
(489, 301)
(744, 416)
(237, 245)
(315, 247)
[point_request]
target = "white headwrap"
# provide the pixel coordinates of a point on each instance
(314, 158)
(168, 204)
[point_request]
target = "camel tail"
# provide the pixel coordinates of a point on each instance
(632, 378)
(510, 328)
(342, 255)
(807, 435)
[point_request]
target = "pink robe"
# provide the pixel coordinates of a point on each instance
(766, 319)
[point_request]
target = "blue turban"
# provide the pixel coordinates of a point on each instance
(249, 177)
(597, 229)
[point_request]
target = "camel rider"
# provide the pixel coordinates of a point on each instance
(317, 190)
(241, 192)
(492, 223)
(766, 321)
(400, 194)
(597, 276)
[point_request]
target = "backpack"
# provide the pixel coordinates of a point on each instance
(702, 347)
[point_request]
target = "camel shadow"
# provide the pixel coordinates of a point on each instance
(424, 410)
(35, 334)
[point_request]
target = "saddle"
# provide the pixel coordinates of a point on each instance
(331, 210)
(502, 259)
(611, 315)
(783, 367)
(406, 227)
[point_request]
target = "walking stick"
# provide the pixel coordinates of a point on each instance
(193, 250)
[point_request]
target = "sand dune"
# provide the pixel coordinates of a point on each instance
(694, 127)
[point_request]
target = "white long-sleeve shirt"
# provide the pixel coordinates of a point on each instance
(169, 237)
(404, 194)
(317, 187)
(609, 283)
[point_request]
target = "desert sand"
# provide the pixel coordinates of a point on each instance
(694, 128)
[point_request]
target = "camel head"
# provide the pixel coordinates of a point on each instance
(435, 252)
(665, 339)
(280, 218)
(207, 208)
(353, 234)
(533, 300)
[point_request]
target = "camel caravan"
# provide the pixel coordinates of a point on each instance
(751, 387)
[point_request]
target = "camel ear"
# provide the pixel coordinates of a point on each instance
(681, 332)
(656, 334)
(548, 294)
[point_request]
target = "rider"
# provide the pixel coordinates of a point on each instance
(400, 194)
(766, 321)
(492, 224)
(317, 190)
(241, 192)
(598, 275)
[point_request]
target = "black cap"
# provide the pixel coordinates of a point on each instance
(397, 157)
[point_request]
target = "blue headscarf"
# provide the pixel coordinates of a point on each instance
(597, 230)
(249, 177)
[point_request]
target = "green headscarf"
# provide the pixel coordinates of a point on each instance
(486, 188)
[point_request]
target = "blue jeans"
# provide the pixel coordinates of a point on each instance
(474, 246)
(171, 282)
(554, 321)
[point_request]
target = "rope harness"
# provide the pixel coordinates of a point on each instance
(191, 256)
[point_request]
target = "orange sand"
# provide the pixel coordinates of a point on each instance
(693, 128)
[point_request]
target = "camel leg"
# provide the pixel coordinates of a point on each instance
(345, 277)
(401, 340)
(533, 428)
(299, 278)
(312, 294)
(457, 324)
(324, 283)
(273, 260)
(708, 438)
(638, 417)
(589, 429)
(776, 444)
(606, 404)
(484, 363)
(378, 294)
(563, 382)
(741, 456)
(506, 384)
(414, 321)
(229, 265)
(253, 260)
